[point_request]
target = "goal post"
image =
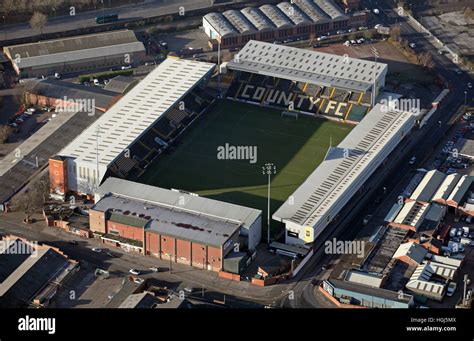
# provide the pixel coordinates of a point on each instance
(292, 114)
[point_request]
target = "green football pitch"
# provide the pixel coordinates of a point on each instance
(295, 146)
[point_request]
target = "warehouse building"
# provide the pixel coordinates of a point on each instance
(30, 273)
(172, 225)
(422, 283)
(365, 295)
(300, 19)
(76, 54)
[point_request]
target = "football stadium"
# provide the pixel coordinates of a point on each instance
(313, 116)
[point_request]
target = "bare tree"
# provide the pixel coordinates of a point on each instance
(38, 21)
(426, 60)
(395, 33)
(5, 132)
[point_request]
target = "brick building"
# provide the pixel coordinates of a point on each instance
(171, 225)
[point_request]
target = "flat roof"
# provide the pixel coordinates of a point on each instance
(333, 183)
(181, 201)
(169, 221)
(370, 290)
(302, 65)
(137, 111)
(365, 278)
(465, 147)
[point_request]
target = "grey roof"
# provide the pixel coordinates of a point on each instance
(371, 291)
(168, 221)
(119, 84)
(181, 201)
(420, 282)
(294, 13)
(331, 9)
(240, 22)
(461, 189)
(257, 18)
(333, 183)
(446, 187)
(365, 278)
(220, 24)
(312, 11)
(412, 214)
(465, 147)
(140, 300)
(276, 16)
(412, 250)
(79, 55)
(307, 66)
(435, 212)
(428, 186)
(53, 88)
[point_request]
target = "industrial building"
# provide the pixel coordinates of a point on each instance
(298, 19)
(172, 225)
(356, 294)
(318, 201)
(30, 273)
(76, 54)
(125, 139)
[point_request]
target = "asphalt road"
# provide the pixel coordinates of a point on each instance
(421, 143)
(151, 8)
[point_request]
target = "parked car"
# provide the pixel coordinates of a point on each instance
(469, 85)
(138, 280)
(412, 45)
(73, 242)
(451, 289)
(57, 76)
(376, 11)
(134, 272)
(126, 67)
(154, 269)
(97, 249)
(412, 160)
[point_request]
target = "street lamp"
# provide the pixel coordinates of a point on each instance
(375, 52)
(268, 169)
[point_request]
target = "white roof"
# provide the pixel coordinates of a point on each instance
(257, 18)
(313, 67)
(78, 55)
(319, 199)
(413, 250)
(428, 186)
(420, 281)
(444, 270)
(447, 187)
(356, 276)
(276, 16)
(460, 189)
(140, 108)
(412, 214)
(239, 21)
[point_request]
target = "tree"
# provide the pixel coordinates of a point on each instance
(38, 21)
(395, 33)
(368, 34)
(426, 60)
(33, 197)
(5, 132)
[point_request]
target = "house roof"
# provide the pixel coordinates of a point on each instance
(412, 250)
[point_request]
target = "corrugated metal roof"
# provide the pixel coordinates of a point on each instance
(331, 9)
(181, 201)
(312, 11)
(428, 186)
(220, 24)
(79, 55)
(446, 187)
(312, 67)
(276, 16)
(239, 21)
(420, 282)
(461, 189)
(297, 16)
(137, 111)
(257, 18)
(412, 250)
(319, 199)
